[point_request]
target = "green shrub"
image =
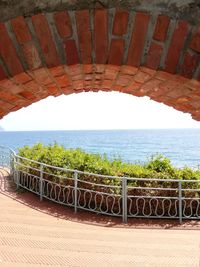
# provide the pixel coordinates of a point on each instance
(157, 166)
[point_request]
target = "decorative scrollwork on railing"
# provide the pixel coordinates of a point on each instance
(154, 207)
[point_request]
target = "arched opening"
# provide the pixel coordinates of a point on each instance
(116, 124)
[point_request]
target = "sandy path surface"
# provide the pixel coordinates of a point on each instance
(31, 235)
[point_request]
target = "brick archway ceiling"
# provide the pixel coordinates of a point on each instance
(103, 49)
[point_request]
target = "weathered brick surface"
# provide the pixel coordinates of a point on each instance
(45, 38)
(120, 22)
(189, 64)
(101, 36)
(138, 39)
(93, 45)
(71, 52)
(84, 35)
(176, 46)
(154, 56)
(2, 73)
(8, 52)
(195, 43)
(116, 52)
(21, 30)
(63, 24)
(161, 28)
(31, 55)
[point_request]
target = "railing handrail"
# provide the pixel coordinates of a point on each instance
(9, 148)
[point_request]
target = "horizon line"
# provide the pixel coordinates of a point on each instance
(114, 129)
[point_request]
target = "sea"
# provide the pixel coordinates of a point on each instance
(182, 146)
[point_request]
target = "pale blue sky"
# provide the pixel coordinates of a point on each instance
(96, 111)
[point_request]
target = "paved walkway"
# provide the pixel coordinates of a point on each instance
(31, 235)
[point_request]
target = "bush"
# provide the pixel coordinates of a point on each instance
(157, 166)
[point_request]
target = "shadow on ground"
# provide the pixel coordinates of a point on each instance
(8, 188)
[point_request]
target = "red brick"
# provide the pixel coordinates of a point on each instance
(5, 95)
(6, 105)
(62, 81)
(124, 80)
(8, 52)
(75, 69)
(88, 77)
(164, 76)
(178, 92)
(195, 43)
(100, 68)
(148, 70)
(117, 88)
(161, 28)
(154, 56)
(71, 52)
(10, 86)
(111, 72)
(101, 36)
(31, 55)
(138, 39)
(3, 75)
(193, 84)
(176, 46)
(21, 30)
(150, 86)
(107, 84)
(189, 64)
(141, 77)
(57, 71)
(87, 68)
(45, 38)
(42, 76)
(168, 86)
(22, 78)
(116, 52)
(53, 90)
(78, 84)
(132, 88)
(128, 70)
(33, 86)
(133, 85)
(84, 35)
(68, 90)
(27, 95)
(120, 22)
(63, 24)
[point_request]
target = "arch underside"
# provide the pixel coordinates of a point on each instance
(139, 53)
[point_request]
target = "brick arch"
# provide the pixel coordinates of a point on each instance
(64, 52)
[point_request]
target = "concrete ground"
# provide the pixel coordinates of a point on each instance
(39, 234)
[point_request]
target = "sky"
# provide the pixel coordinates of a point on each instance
(102, 110)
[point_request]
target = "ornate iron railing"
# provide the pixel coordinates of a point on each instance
(117, 196)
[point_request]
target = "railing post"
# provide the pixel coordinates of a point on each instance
(17, 172)
(124, 199)
(41, 182)
(75, 191)
(180, 201)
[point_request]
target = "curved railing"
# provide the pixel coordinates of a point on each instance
(124, 197)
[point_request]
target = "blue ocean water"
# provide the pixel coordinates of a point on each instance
(182, 146)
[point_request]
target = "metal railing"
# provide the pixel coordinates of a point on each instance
(124, 197)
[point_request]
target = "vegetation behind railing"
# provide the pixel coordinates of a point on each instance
(157, 166)
(91, 182)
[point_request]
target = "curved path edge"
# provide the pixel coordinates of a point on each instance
(34, 233)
